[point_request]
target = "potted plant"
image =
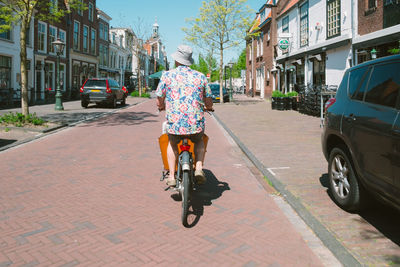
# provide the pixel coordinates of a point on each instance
(277, 101)
(292, 99)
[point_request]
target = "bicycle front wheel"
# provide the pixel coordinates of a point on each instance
(185, 197)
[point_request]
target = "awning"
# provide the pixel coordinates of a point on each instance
(156, 75)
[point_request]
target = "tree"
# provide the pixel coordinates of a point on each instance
(21, 12)
(141, 30)
(221, 25)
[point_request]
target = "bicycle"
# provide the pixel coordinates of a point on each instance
(185, 182)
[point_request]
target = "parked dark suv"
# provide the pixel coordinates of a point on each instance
(361, 137)
(102, 90)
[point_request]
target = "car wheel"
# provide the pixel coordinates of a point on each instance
(84, 103)
(343, 183)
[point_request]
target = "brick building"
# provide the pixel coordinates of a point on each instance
(83, 45)
(45, 65)
(378, 29)
(260, 72)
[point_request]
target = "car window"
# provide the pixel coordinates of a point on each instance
(95, 83)
(356, 76)
(384, 85)
(359, 95)
(116, 83)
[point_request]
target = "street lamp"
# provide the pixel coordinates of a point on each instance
(59, 47)
(230, 64)
(373, 53)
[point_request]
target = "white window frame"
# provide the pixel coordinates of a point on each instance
(333, 27)
(51, 48)
(304, 25)
(45, 37)
(73, 35)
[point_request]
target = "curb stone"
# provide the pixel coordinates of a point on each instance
(327, 238)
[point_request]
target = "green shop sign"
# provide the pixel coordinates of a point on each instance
(283, 44)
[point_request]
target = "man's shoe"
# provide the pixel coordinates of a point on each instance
(171, 182)
(200, 177)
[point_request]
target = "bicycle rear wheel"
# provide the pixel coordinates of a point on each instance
(185, 197)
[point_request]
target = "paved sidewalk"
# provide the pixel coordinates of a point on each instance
(287, 145)
(90, 195)
(72, 114)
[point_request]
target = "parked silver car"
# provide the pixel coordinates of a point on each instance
(103, 90)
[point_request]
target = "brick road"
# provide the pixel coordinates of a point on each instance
(288, 143)
(90, 195)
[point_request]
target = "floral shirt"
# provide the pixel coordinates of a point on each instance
(184, 89)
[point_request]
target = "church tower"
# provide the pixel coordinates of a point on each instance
(155, 29)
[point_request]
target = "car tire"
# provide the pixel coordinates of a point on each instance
(344, 186)
(84, 103)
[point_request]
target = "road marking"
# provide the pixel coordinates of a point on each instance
(277, 168)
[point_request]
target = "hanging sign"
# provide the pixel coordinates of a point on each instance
(284, 44)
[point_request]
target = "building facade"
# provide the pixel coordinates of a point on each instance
(10, 68)
(104, 45)
(260, 72)
(83, 45)
(378, 31)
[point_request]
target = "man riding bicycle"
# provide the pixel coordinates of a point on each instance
(184, 94)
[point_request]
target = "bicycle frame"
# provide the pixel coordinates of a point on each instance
(185, 161)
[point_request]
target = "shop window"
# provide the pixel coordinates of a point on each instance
(333, 18)
(304, 24)
(319, 71)
(49, 76)
(300, 74)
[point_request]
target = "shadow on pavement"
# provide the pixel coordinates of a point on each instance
(125, 118)
(6, 142)
(385, 219)
(204, 195)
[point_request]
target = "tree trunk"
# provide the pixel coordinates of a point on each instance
(221, 69)
(24, 73)
(139, 76)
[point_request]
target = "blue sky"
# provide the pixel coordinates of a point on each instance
(170, 16)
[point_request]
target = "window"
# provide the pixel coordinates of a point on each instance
(101, 30)
(5, 72)
(28, 36)
(384, 85)
(62, 77)
(285, 24)
(85, 39)
(114, 38)
(7, 34)
(319, 71)
(356, 91)
(93, 41)
(90, 12)
(371, 4)
(61, 36)
(304, 25)
(106, 32)
(52, 38)
(300, 74)
(333, 18)
(42, 40)
(77, 26)
(49, 76)
(80, 11)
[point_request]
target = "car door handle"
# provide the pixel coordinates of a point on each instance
(350, 118)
